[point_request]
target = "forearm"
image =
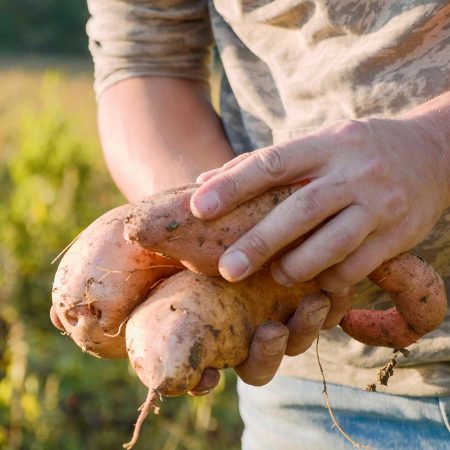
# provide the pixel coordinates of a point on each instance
(159, 132)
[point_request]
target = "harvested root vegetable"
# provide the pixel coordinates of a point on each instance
(192, 322)
(420, 305)
(99, 282)
(164, 223)
(206, 322)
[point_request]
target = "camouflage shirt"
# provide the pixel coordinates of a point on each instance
(292, 66)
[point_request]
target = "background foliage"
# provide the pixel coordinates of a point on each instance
(53, 184)
(50, 26)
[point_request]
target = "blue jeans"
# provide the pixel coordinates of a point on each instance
(290, 414)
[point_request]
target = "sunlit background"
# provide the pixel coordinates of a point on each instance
(53, 183)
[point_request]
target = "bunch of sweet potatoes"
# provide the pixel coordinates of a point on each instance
(143, 280)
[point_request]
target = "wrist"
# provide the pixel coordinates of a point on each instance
(430, 122)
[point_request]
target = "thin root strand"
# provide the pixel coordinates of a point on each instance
(150, 402)
(330, 410)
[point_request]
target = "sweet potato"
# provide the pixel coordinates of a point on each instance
(418, 293)
(201, 322)
(99, 282)
(192, 321)
(164, 223)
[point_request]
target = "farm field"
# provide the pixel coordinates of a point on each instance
(54, 183)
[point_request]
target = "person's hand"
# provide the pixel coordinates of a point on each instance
(274, 340)
(377, 188)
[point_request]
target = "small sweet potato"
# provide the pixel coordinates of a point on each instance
(99, 282)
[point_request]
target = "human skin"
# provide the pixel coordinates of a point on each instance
(161, 132)
(377, 187)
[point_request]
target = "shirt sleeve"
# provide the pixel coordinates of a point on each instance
(130, 38)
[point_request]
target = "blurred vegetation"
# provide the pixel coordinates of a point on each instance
(50, 26)
(54, 183)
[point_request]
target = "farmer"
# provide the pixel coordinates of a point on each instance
(353, 96)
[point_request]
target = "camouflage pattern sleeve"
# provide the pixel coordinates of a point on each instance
(139, 38)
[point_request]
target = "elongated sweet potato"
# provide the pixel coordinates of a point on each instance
(164, 223)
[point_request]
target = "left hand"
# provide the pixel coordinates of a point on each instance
(377, 188)
(274, 340)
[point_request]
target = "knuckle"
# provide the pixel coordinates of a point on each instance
(271, 162)
(258, 245)
(397, 200)
(353, 131)
(341, 276)
(231, 185)
(341, 244)
(374, 169)
(308, 204)
(294, 271)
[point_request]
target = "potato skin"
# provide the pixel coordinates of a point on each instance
(191, 322)
(90, 303)
(164, 223)
(418, 293)
(99, 281)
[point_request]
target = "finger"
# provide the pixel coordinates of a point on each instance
(371, 254)
(55, 319)
(254, 174)
(265, 355)
(292, 218)
(209, 380)
(205, 176)
(327, 246)
(305, 324)
(340, 303)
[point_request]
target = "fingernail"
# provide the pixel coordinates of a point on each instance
(205, 203)
(202, 392)
(234, 265)
(318, 316)
(275, 345)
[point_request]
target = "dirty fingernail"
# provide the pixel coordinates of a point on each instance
(206, 203)
(234, 265)
(201, 392)
(275, 345)
(318, 316)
